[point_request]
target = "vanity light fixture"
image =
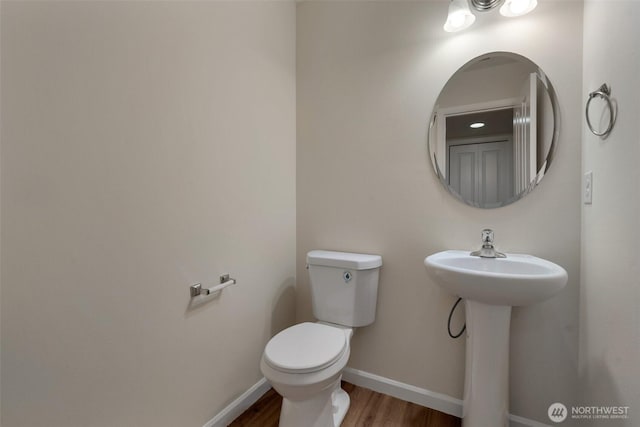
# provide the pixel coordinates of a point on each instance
(460, 16)
(476, 125)
(513, 8)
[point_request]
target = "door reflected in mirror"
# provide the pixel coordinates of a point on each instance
(494, 130)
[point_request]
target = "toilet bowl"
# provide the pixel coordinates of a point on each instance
(304, 363)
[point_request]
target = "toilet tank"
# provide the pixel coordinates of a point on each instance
(344, 286)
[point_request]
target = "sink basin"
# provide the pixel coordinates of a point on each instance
(491, 286)
(513, 281)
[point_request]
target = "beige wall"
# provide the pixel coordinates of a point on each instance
(145, 146)
(500, 82)
(610, 288)
(368, 76)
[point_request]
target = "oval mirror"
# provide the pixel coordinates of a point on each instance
(494, 130)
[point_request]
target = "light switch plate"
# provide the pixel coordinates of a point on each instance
(588, 188)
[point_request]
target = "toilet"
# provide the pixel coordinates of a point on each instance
(304, 363)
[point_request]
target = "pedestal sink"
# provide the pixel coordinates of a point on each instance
(490, 287)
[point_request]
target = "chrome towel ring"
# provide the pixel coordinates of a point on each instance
(603, 92)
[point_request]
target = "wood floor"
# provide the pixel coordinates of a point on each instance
(368, 408)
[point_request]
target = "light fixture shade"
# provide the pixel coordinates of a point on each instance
(460, 17)
(513, 8)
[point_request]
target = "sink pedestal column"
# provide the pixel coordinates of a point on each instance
(486, 379)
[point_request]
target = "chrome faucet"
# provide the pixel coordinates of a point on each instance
(487, 250)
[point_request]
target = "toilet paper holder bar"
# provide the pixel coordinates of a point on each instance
(197, 289)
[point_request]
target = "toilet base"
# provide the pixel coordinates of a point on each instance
(326, 409)
(341, 403)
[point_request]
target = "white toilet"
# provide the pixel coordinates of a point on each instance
(304, 363)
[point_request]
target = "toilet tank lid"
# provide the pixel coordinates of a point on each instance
(344, 260)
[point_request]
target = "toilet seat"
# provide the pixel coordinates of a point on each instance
(305, 347)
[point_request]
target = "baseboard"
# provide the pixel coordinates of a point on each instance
(241, 404)
(420, 396)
